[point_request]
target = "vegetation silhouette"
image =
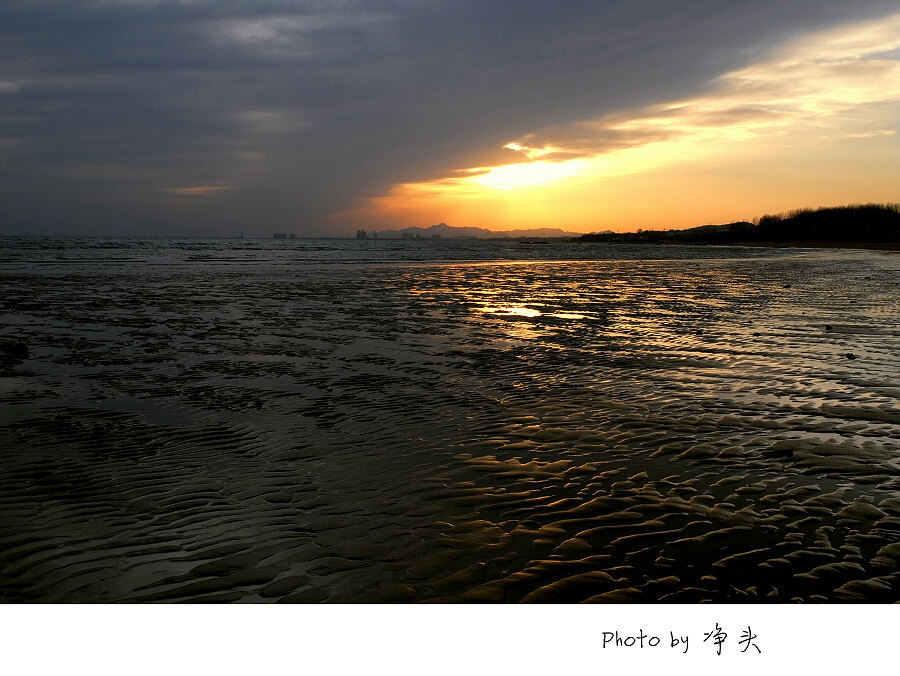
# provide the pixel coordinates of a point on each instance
(867, 224)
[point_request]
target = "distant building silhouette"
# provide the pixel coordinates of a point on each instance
(360, 234)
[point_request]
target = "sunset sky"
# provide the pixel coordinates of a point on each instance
(212, 117)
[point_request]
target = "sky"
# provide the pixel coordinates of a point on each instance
(215, 117)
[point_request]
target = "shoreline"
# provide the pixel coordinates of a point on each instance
(509, 431)
(866, 246)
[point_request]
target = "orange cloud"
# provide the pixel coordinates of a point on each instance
(814, 123)
(197, 191)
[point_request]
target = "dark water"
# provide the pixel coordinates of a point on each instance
(118, 252)
(323, 420)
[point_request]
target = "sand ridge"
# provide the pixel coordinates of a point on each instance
(606, 431)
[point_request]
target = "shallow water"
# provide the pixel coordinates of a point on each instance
(308, 424)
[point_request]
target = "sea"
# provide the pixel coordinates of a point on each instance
(395, 421)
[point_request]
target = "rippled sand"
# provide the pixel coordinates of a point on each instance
(704, 430)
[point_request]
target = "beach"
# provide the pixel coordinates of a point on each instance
(449, 423)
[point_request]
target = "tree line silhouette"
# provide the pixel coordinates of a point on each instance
(855, 223)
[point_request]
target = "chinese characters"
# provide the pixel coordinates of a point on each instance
(715, 638)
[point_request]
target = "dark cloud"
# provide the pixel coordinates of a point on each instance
(193, 117)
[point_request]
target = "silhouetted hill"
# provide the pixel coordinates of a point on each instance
(853, 224)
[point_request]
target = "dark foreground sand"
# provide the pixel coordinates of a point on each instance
(608, 431)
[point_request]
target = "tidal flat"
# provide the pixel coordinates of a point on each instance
(722, 427)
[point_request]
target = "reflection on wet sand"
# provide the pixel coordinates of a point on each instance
(553, 431)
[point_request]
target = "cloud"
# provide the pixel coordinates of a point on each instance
(810, 83)
(306, 108)
(197, 191)
(268, 121)
(305, 33)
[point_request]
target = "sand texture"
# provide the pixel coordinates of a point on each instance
(721, 430)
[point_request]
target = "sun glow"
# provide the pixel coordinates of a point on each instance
(813, 124)
(527, 174)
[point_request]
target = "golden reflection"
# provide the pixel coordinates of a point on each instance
(512, 311)
(567, 315)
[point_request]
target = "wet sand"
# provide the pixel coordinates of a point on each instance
(563, 431)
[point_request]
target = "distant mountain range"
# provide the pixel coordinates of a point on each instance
(873, 224)
(444, 231)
